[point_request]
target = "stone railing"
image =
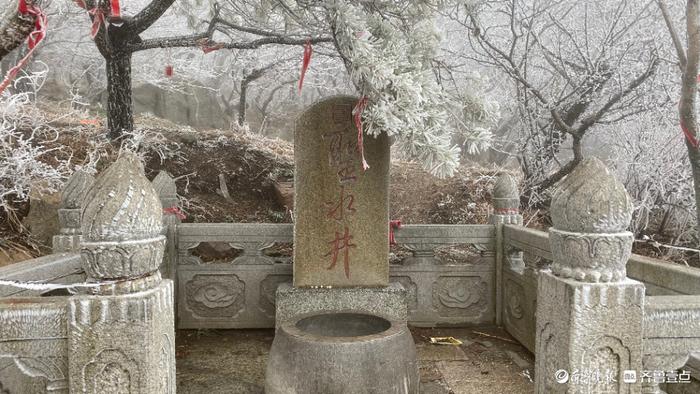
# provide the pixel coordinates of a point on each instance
(457, 275)
(101, 320)
(594, 308)
(241, 293)
(35, 374)
(59, 268)
(660, 278)
(670, 289)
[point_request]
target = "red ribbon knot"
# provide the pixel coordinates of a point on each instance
(175, 210)
(393, 224)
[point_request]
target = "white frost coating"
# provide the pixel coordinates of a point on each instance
(40, 286)
(390, 62)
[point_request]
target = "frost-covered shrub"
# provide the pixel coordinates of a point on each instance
(23, 128)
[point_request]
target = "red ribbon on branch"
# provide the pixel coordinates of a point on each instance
(34, 38)
(206, 48)
(357, 117)
(174, 210)
(688, 135)
(308, 51)
(115, 9)
(98, 14)
(98, 17)
(393, 225)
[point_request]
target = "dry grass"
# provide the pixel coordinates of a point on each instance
(250, 165)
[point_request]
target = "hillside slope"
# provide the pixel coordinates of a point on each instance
(249, 167)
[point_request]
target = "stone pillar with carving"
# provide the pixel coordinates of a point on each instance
(165, 187)
(121, 332)
(68, 238)
(589, 314)
(506, 210)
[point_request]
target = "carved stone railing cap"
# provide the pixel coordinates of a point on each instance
(591, 200)
(506, 195)
(122, 204)
(75, 189)
(506, 186)
(165, 187)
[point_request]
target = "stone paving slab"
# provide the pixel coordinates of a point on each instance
(233, 362)
(429, 352)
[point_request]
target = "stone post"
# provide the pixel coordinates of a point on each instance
(506, 210)
(589, 314)
(68, 239)
(121, 334)
(165, 188)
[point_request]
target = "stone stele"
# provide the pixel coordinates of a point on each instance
(341, 234)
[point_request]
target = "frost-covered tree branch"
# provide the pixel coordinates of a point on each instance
(574, 65)
(389, 51)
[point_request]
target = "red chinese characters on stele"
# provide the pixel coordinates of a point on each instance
(342, 158)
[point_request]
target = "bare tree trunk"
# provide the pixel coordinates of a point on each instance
(242, 101)
(688, 104)
(250, 78)
(577, 147)
(120, 115)
(688, 63)
(694, 156)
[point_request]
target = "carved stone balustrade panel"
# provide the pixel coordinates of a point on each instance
(671, 333)
(441, 294)
(252, 239)
(33, 335)
(229, 295)
(241, 293)
(61, 268)
(519, 307)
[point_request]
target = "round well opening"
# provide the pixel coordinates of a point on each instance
(343, 325)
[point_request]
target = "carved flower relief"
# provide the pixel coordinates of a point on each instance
(111, 260)
(455, 294)
(69, 220)
(514, 296)
(215, 295)
(113, 379)
(514, 307)
(452, 295)
(53, 368)
(590, 257)
(111, 372)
